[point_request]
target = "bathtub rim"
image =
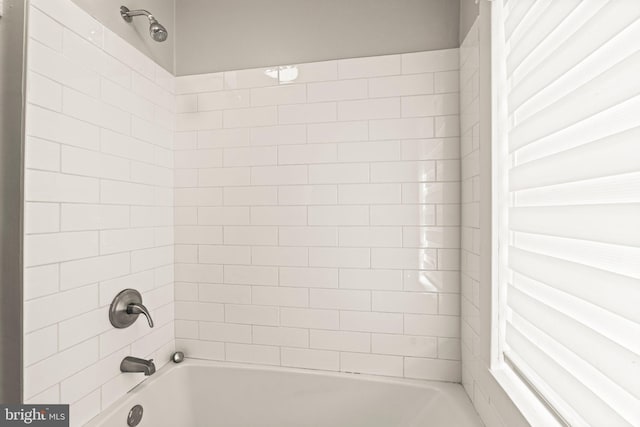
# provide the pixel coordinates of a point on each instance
(449, 390)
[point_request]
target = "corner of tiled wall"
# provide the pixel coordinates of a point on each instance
(98, 208)
(317, 220)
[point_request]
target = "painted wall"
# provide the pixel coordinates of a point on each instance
(137, 32)
(469, 10)
(11, 101)
(317, 221)
(220, 35)
(494, 406)
(98, 208)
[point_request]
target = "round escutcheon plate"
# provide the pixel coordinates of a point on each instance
(135, 416)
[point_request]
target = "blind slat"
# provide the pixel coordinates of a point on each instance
(619, 296)
(616, 224)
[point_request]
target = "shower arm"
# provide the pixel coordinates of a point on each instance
(128, 15)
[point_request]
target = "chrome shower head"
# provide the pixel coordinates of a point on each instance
(157, 31)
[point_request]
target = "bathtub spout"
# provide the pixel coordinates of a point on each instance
(134, 364)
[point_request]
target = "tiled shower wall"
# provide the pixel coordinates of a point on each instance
(317, 216)
(98, 208)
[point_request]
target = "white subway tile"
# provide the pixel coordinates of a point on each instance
(278, 135)
(431, 149)
(308, 236)
(228, 294)
(249, 353)
(226, 332)
(252, 235)
(41, 154)
(309, 318)
(338, 132)
(252, 314)
(112, 241)
(340, 340)
(317, 71)
(278, 175)
(370, 109)
(92, 270)
(371, 364)
(279, 215)
(310, 359)
(418, 84)
(307, 113)
(247, 117)
(430, 61)
(187, 103)
(80, 328)
(186, 329)
(402, 128)
(38, 312)
(198, 234)
(220, 138)
(279, 256)
(370, 194)
(199, 83)
(202, 311)
(431, 237)
(40, 281)
(432, 325)
(280, 336)
(49, 248)
(223, 216)
(369, 151)
(369, 67)
(223, 100)
(404, 345)
(44, 92)
(447, 126)
(403, 215)
(449, 348)
(308, 195)
(224, 177)
(57, 127)
(447, 81)
(339, 173)
(42, 375)
(432, 192)
(306, 154)
(405, 302)
(278, 95)
(45, 30)
(337, 90)
(339, 257)
(430, 105)
(256, 77)
(210, 254)
(250, 275)
(432, 369)
(187, 159)
(420, 259)
(250, 156)
(78, 161)
(309, 277)
(371, 322)
(338, 215)
(41, 218)
(198, 273)
(340, 299)
(370, 237)
(370, 279)
(420, 171)
(280, 296)
(40, 344)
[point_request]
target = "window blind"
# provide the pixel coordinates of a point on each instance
(568, 174)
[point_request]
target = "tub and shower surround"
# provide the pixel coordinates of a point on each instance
(98, 208)
(317, 215)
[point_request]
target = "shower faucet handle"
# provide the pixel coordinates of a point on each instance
(135, 308)
(125, 309)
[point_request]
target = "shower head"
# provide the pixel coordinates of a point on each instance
(157, 31)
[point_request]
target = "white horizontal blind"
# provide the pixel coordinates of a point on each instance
(570, 234)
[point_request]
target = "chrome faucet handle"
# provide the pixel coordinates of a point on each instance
(126, 307)
(135, 308)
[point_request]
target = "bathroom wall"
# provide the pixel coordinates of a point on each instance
(222, 35)
(136, 33)
(317, 220)
(98, 208)
(494, 406)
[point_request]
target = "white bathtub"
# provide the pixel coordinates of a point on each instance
(209, 394)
